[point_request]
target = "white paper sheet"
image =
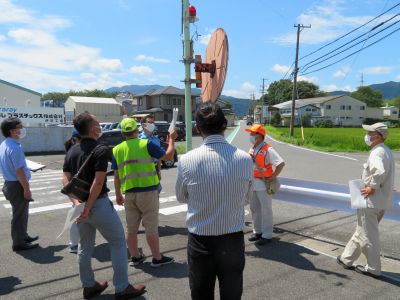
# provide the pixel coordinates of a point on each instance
(357, 200)
(72, 215)
(174, 119)
(34, 166)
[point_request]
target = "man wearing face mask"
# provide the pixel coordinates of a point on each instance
(378, 178)
(16, 182)
(267, 166)
(99, 213)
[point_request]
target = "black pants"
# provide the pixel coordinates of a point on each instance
(14, 193)
(211, 257)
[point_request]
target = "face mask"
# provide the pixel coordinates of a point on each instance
(22, 133)
(367, 140)
(149, 127)
(253, 139)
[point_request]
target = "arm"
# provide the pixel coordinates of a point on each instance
(24, 182)
(67, 178)
(95, 190)
(169, 154)
(278, 169)
(117, 185)
(180, 187)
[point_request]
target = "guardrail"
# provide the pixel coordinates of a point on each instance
(325, 195)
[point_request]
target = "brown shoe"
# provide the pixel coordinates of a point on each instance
(98, 288)
(131, 292)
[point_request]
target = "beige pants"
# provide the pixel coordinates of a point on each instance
(261, 212)
(365, 240)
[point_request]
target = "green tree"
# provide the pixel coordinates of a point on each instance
(396, 102)
(369, 96)
(276, 119)
(281, 91)
(60, 98)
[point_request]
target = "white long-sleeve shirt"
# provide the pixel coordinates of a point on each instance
(379, 174)
(215, 182)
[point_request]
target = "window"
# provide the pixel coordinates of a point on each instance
(362, 107)
(342, 107)
(349, 118)
(179, 101)
(328, 106)
(394, 112)
(140, 101)
(308, 109)
(174, 101)
(168, 101)
(159, 100)
(314, 109)
(348, 107)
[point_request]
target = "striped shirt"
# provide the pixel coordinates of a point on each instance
(215, 182)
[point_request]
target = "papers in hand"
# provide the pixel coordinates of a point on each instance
(174, 119)
(34, 166)
(72, 216)
(357, 200)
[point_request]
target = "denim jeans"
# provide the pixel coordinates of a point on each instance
(211, 257)
(105, 219)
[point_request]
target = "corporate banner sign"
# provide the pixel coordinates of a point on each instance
(34, 115)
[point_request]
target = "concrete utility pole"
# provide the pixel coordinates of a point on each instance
(187, 60)
(263, 86)
(362, 79)
(294, 94)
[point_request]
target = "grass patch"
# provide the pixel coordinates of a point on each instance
(180, 149)
(332, 139)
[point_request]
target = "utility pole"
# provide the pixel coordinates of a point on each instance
(294, 94)
(263, 86)
(187, 60)
(362, 79)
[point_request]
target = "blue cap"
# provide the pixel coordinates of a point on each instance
(75, 133)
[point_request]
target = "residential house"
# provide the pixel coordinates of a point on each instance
(160, 103)
(342, 110)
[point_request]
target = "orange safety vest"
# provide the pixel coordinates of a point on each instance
(260, 168)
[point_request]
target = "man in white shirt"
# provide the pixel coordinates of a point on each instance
(267, 166)
(215, 182)
(378, 177)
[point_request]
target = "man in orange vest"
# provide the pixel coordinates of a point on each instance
(268, 164)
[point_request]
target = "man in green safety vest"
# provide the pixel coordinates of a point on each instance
(135, 176)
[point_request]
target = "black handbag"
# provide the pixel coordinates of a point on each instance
(78, 188)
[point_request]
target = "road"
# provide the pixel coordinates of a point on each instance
(298, 265)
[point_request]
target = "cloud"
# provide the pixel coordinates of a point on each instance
(245, 91)
(2, 38)
(142, 70)
(281, 69)
(342, 72)
(397, 77)
(143, 57)
(332, 87)
(32, 37)
(205, 38)
(312, 79)
(327, 23)
(377, 70)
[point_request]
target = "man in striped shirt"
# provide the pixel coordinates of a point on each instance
(215, 181)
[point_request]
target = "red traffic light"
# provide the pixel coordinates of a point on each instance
(192, 11)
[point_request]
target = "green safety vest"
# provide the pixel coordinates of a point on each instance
(136, 167)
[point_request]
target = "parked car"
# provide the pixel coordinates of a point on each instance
(194, 129)
(114, 137)
(162, 130)
(249, 123)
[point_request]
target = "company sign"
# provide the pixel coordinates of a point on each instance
(34, 115)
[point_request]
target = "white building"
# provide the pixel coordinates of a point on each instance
(17, 96)
(105, 109)
(342, 110)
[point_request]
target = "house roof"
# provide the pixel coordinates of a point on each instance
(97, 100)
(20, 87)
(166, 90)
(309, 101)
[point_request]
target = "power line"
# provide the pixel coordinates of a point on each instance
(334, 50)
(341, 37)
(351, 54)
(304, 68)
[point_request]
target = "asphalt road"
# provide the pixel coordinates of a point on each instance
(298, 265)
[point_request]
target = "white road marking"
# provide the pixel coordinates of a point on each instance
(49, 208)
(173, 210)
(312, 150)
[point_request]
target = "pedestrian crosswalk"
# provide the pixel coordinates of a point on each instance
(46, 186)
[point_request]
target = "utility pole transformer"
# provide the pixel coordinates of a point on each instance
(294, 94)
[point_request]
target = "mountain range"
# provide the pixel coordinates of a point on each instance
(389, 90)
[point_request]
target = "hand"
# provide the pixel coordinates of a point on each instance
(367, 191)
(173, 135)
(75, 202)
(27, 195)
(84, 215)
(120, 199)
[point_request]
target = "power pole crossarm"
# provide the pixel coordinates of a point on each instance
(294, 94)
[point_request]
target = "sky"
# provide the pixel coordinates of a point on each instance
(62, 45)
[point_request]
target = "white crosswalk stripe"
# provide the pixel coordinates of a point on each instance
(46, 186)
